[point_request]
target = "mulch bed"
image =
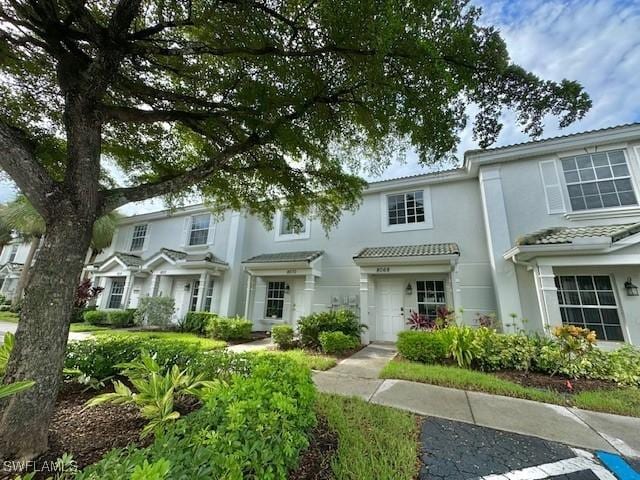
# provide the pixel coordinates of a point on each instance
(89, 434)
(557, 383)
(315, 461)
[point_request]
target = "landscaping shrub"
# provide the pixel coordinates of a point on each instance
(282, 336)
(97, 358)
(422, 346)
(120, 318)
(196, 322)
(313, 325)
(338, 343)
(255, 428)
(155, 311)
(95, 317)
(222, 328)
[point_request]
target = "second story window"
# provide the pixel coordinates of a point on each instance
(199, 231)
(289, 227)
(138, 238)
(13, 253)
(598, 180)
(405, 208)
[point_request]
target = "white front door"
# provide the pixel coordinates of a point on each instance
(389, 314)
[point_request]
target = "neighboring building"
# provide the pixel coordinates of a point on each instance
(547, 231)
(12, 259)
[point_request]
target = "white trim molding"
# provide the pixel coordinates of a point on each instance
(285, 237)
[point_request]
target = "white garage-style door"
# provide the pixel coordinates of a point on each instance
(389, 309)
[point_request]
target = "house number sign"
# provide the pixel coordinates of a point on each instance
(292, 270)
(383, 269)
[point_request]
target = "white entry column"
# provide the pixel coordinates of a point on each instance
(364, 307)
(128, 285)
(202, 287)
(547, 294)
(309, 290)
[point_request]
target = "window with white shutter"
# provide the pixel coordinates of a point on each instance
(552, 187)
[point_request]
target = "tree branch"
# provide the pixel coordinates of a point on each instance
(17, 158)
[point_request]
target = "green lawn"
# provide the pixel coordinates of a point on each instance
(86, 327)
(6, 316)
(622, 401)
(310, 360)
(373, 441)
(202, 342)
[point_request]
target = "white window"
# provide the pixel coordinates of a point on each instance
(275, 299)
(138, 238)
(199, 229)
(208, 296)
(598, 180)
(408, 210)
(13, 253)
(296, 229)
(116, 293)
(431, 297)
(588, 301)
(194, 296)
(405, 208)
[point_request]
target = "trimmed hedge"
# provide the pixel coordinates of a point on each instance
(222, 328)
(282, 336)
(338, 343)
(425, 347)
(196, 322)
(254, 428)
(313, 325)
(115, 318)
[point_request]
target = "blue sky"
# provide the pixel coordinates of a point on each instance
(596, 42)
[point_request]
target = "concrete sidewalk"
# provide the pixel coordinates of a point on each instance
(256, 345)
(357, 376)
(11, 328)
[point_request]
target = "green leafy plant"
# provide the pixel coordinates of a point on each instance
(5, 351)
(282, 336)
(254, 428)
(460, 341)
(95, 317)
(121, 318)
(313, 325)
(158, 470)
(155, 390)
(222, 328)
(338, 343)
(422, 346)
(15, 387)
(155, 311)
(196, 322)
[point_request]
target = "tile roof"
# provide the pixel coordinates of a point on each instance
(128, 259)
(543, 140)
(281, 257)
(560, 235)
(410, 250)
(192, 257)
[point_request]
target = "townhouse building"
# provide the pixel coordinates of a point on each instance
(540, 233)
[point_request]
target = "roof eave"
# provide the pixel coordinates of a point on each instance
(527, 252)
(406, 260)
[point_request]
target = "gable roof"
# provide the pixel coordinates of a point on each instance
(282, 257)
(567, 235)
(410, 250)
(177, 255)
(125, 259)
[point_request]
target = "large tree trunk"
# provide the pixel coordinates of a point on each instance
(41, 337)
(26, 268)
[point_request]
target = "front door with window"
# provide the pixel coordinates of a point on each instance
(390, 306)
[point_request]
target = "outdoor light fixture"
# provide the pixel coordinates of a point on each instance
(631, 289)
(187, 287)
(286, 287)
(409, 289)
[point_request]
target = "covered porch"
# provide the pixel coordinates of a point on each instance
(9, 276)
(400, 281)
(586, 276)
(281, 286)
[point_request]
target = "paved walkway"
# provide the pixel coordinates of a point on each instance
(358, 376)
(262, 344)
(11, 327)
